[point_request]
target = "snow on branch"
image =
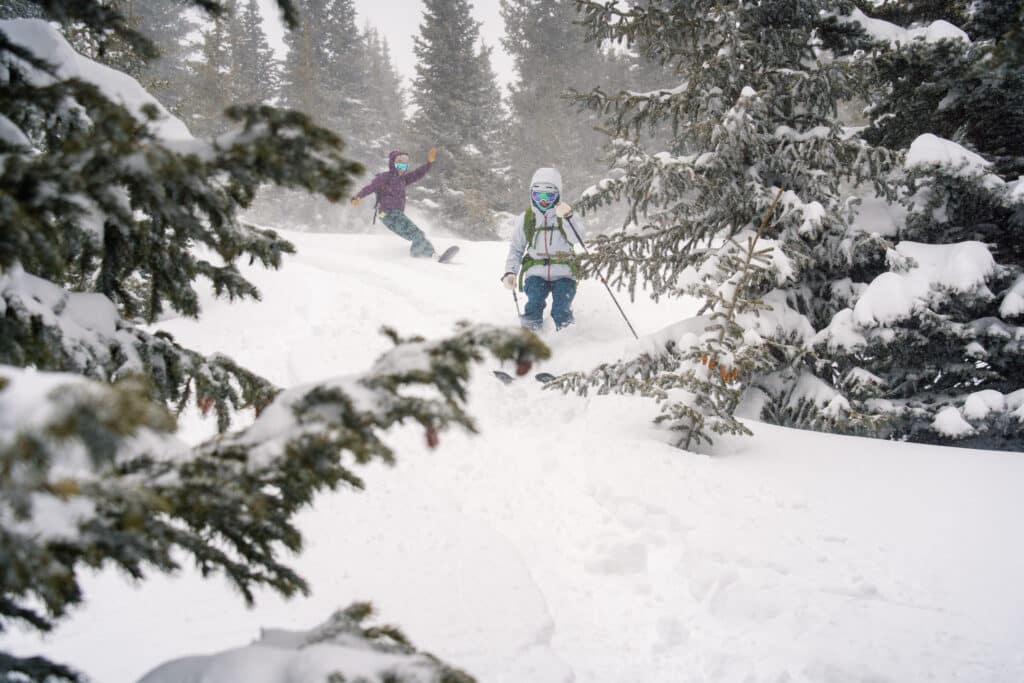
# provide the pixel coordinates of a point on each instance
(46, 42)
(885, 32)
(344, 648)
(93, 474)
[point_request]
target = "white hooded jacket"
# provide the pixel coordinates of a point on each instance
(546, 243)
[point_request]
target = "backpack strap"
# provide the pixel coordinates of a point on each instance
(530, 231)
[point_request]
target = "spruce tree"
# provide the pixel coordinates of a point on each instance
(384, 99)
(455, 92)
(111, 212)
(325, 74)
(945, 369)
(256, 77)
(210, 76)
(748, 207)
(552, 58)
(166, 24)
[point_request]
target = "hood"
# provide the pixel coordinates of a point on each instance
(391, 159)
(546, 177)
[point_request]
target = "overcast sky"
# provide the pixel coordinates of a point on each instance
(399, 21)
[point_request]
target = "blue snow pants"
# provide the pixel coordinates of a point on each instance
(400, 224)
(562, 292)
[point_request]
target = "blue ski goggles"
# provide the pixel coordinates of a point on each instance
(545, 198)
(402, 167)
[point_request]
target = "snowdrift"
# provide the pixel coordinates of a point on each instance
(568, 542)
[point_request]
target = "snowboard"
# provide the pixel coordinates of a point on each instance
(542, 377)
(448, 255)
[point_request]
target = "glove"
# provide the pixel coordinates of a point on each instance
(355, 201)
(509, 280)
(432, 154)
(563, 210)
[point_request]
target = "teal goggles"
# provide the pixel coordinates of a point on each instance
(402, 167)
(546, 198)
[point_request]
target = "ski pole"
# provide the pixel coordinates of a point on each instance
(603, 281)
(515, 297)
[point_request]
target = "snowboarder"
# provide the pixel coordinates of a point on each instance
(390, 190)
(541, 253)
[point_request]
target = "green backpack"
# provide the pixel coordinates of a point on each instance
(531, 229)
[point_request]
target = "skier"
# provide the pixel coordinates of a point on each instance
(541, 252)
(390, 190)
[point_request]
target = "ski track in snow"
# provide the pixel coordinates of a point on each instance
(568, 542)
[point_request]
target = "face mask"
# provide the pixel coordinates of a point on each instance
(402, 167)
(545, 199)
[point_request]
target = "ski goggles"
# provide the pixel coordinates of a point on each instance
(401, 167)
(545, 197)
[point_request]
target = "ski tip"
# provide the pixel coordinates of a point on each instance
(504, 377)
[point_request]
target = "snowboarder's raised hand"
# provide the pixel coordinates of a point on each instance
(563, 210)
(509, 280)
(355, 201)
(432, 154)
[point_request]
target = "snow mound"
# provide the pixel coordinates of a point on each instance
(949, 422)
(890, 297)
(979, 404)
(567, 542)
(338, 650)
(928, 150)
(1013, 303)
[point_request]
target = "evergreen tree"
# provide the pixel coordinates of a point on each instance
(375, 123)
(947, 368)
(256, 77)
(748, 208)
(166, 24)
(211, 75)
(552, 58)
(384, 98)
(235, 64)
(326, 74)
(840, 311)
(111, 211)
(456, 96)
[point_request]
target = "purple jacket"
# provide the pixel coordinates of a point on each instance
(391, 186)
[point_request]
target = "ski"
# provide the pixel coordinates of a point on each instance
(448, 255)
(504, 377)
(542, 377)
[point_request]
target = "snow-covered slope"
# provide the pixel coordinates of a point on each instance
(568, 542)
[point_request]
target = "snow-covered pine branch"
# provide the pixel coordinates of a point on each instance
(343, 648)
(752, 111)
(944, 324)
(93, 473)
(109, 194)
(939, 330)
